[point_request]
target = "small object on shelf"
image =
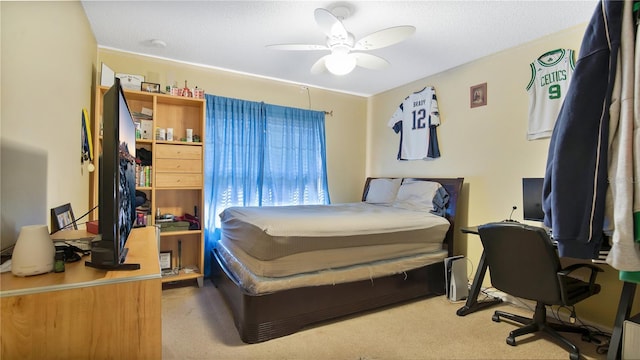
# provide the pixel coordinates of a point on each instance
(191, 269)
(189, 135)
(160, 134)
(150, 87)
(166, 226)
(130, 81)
(92, 227)
(165, 259)
(179, 254)
(141, 219)
(194, 222)
(58, 265)
(146, 129)
(186, 92)
(198, 93)
(170, 272)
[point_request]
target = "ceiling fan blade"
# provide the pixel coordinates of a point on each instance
(385, 37)
(319, 66)
(296, 47)
(330, 25)
(369, 61)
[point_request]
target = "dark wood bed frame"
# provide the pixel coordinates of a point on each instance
(268, 316)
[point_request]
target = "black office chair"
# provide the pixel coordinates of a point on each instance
(523, 262)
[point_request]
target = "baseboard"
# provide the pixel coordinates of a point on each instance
(531, 305)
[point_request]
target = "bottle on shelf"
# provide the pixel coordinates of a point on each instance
(186, 92)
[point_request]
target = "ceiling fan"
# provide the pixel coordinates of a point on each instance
(345, 55)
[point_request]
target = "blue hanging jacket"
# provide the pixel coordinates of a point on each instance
(575, 181)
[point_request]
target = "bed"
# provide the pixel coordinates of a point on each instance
(278, 275)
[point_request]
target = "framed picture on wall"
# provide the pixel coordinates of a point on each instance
(478, 95)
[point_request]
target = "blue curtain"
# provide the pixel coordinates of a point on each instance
(258, 154)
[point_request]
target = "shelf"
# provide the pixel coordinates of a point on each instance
(164, 188)
(181, 277)
(177, 142)
(176, 166)
(179, 233)
(149, 141)
(162, 97)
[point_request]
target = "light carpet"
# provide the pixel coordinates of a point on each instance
(197, 324)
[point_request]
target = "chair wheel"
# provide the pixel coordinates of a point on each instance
(574, 356)
(512, 341)
(495, 318)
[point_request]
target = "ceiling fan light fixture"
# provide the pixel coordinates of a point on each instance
(341, 42)
(340, 62)
(341, 11)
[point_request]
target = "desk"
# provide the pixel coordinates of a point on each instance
(86, 313)
(623, 312)
(472, 304)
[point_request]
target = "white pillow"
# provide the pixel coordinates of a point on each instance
(382, 191)
(417, 195)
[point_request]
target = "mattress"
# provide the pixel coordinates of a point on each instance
(325, 259)
(257, 285)
(268, 233)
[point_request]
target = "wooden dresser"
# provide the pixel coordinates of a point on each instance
(86, 313)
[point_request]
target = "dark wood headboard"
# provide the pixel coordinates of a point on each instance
(453, 187)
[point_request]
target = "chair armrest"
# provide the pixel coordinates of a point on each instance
(564, 274)
(573, 267)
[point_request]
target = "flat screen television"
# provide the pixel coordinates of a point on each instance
(532, 199)
(117, 188)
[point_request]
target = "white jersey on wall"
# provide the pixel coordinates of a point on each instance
(416, 120)
(550, 78)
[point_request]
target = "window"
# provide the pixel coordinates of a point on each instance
(261, 155)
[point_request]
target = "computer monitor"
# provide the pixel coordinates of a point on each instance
(532, 199)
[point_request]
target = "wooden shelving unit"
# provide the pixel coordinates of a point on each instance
(177, 177)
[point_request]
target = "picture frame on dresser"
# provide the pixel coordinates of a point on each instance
(62, 218)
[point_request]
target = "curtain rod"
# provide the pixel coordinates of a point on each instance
(330, 113)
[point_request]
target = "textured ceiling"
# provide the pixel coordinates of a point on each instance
(232, 35)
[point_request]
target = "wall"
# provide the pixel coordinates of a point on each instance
(48, 54)
(345, 138)
(486, 145)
